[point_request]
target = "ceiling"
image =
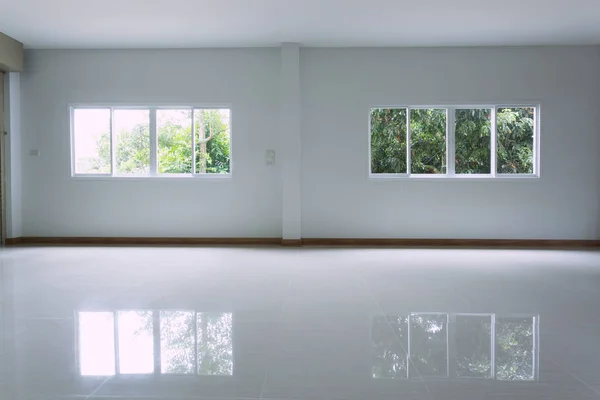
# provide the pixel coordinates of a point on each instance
(248, 23)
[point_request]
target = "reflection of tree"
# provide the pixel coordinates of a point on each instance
(428, 344)
(177, 342)
(215, 346)
(215, 342)
(473, 346)
(514, 349)
(389, 336)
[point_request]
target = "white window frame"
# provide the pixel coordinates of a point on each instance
(450, 143)
(153, 172)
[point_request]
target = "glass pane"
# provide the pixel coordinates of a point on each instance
(174, 141)
(215, 344)
(177, 342)
(96, 343)
(515, 140)
(389, 344)
(213, 147)
(473, 346)
(428, 344)
(514, 349)
(91, 136)
(473, 140)
(388, 141)
(132, 141)
(428, 141)
(136, 343)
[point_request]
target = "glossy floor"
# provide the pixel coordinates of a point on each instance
(270, 323)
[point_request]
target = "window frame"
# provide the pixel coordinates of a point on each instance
(451, 143)
(153, 132)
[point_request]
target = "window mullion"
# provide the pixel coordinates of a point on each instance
(408, 154)
(193, 144)
(116, 340)
(493, 144)
(113, 156)
(450, 142)
(156, 336)
(493, 347)
(153, 143)
(195, 342)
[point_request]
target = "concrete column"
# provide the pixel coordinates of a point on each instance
(12, 97)
(290, 143)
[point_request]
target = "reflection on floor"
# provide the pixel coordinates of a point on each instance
(180, 323)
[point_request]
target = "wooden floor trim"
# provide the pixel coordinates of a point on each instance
(469, 243)
(311, 242)
(140, 241)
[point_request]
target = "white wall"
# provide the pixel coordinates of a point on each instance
(339, 87)
(54, 204)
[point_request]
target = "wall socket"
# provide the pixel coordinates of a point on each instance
(270, 157)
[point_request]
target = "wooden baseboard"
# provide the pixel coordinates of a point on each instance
(468, 243)
(140, 241)
(312, 242)
(291, 242)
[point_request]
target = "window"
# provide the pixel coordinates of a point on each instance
(461, 346)
(150, 141)
(155, 342)
(461, 141)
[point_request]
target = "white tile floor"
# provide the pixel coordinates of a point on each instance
(304, 323)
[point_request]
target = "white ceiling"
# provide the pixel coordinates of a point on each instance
(241, 23)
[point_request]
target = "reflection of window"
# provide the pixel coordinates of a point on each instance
(215, 347)
(428, 344)
(389, 337)
(177, 342)
(454, 345)
(461, 141)
(96, 343)
(515, 349)
(146, 342)
(150, 141)
(473, 346)
(136, 343)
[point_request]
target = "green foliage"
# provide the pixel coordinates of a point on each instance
(428, 141)
(515, 129)
(515, 140)
(388, 141)
(217, 150)
(472, 137)
(174, 151)
(175, 142)
(133, 150)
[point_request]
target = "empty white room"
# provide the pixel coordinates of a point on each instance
(299, 200)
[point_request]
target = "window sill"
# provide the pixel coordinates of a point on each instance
(209, 177)
(479, 178)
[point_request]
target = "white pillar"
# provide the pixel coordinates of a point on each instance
(290, 144)
(13, 156)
